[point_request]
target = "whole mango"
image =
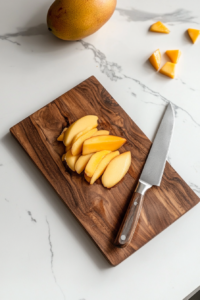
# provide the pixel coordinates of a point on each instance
(76, 19)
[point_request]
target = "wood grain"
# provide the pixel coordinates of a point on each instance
(100, 211)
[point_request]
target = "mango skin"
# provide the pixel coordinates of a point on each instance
(75, 19)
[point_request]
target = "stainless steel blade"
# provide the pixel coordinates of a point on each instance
(155, 164)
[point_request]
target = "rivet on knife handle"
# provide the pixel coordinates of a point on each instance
(131, 217)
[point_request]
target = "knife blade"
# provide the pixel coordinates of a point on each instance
(151, 175)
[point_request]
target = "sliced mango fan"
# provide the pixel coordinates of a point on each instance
(92, 151)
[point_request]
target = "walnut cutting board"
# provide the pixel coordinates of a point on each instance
(100, 211)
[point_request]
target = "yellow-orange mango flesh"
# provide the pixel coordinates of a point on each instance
(87, 178)
(94, 162)
(101, 132)
(102, 166)
(78, 126)
(61, 136)
(70, 159)
(82, 162)
(159, 27)
(168, 69)
(116, 170)
(77, 146)
(155, 59)
(97, 133)
(99, 143)
(193, 34)
(63, 157)
(68, 147)
(76, 19)
(81, 133)
(174, 55)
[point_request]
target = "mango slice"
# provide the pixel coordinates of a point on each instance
(87, 178)
(63, 157)
(102, 166)
(99, 143)
(94, 162)
(70, 159)
(77, 146)
(193, 34)
(68, 147)
(155, 59)
(61, 136)
(82, 162)
(101, 132)
(79, 125)
(159, 27)
(174, 55)
(116, 170)
(168, 69)
(81, 133)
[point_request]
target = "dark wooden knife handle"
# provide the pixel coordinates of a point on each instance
(130, 221)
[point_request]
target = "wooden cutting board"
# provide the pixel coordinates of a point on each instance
(99, 210)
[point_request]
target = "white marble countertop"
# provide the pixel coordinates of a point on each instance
(44, 252)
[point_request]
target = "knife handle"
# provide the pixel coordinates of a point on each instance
(131, 217)
(130, 221)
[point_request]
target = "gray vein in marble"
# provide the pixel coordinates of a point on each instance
(6, 200)
(30, 214)
(195, 188)
(100, 58)
(52, 258)
(110, 69)
(185, 84)
(146, 89)
(179, 15)
(40, 29)
(51, 249)
(106, 67)
(8, 40)
(1, 165)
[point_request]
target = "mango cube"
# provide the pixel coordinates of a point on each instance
(155, 59)
(193, 34)
(174, 55)
(168, 69)
(159, 27)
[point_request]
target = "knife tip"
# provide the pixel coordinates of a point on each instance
(170, 108)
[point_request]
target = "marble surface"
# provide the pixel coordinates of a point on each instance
(44, 253)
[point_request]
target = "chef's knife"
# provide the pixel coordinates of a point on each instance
(151, 175)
